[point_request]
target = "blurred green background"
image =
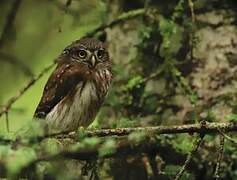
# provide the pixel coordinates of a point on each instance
(38, 34)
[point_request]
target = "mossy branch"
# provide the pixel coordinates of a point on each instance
(123, 17)
(206, 128)
(126, 147)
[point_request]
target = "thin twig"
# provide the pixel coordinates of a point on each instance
(153, 75)
(191, 6)
(9, 21)
(16, 62)
(13, 99)
(7, 122)
(228, 137)
(121, 18)
(146, 5)
(220, 154)
(153, 165)
(192, 35)
(68, 3)
(196, 145)
(122, 148)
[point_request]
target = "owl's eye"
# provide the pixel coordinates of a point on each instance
(100, 54)
(65, 51)
(82, 54)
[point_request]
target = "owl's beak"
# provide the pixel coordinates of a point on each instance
(93, 61)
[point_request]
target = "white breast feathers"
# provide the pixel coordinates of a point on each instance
(78, 110)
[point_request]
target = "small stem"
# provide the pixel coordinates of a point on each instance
(219, 158)
(228, 137)
(7, 122)
(22, 91)
(196, 145)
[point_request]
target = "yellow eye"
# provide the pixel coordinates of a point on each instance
(100, 54)
(82, 54)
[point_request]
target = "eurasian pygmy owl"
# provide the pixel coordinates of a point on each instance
(77, 87)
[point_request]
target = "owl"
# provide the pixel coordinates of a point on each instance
(77, 87)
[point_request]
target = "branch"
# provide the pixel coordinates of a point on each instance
(192, 34)
(191, 7)
(122, 148)
(9, 21)
(7, 122)
(14, 61)
(208, 128)
(190, 128)
(125, 16)
(219, 158)
(196, 145)
(228, 137)
(13, 99)
(127, 147)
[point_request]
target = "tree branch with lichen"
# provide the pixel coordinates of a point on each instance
(124, 146)
(206, 128)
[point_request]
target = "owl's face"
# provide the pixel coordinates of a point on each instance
(88, 51)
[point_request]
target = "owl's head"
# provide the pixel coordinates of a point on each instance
(87, 51)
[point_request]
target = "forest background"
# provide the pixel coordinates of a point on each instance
(174, 63)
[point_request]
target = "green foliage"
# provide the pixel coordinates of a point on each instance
(91, 142)
(126, 122)
(4, 151)
(107, 148)
(178, 10)
(134, 82)
(183, 84)
(171, 34)
(19, 159)
(137, 137)
(50, 146)
(232, 117)
(31, 130)
(183, 143)
(172, 170)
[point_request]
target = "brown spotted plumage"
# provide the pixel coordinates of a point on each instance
(77, 87)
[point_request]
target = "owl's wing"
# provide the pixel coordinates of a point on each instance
(62, 81)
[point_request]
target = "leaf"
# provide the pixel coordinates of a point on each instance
(172, 170)
(231, 117)
(125, 122)
(172, 37)
(19, 159)
(4, 151)
(107, 148)
(51, 146)
(133, 82)
(33, 130)
(91, 141)
(183, 144)
(137, 136)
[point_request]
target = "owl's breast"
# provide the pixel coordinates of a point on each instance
(76, 109)
(103, 79)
